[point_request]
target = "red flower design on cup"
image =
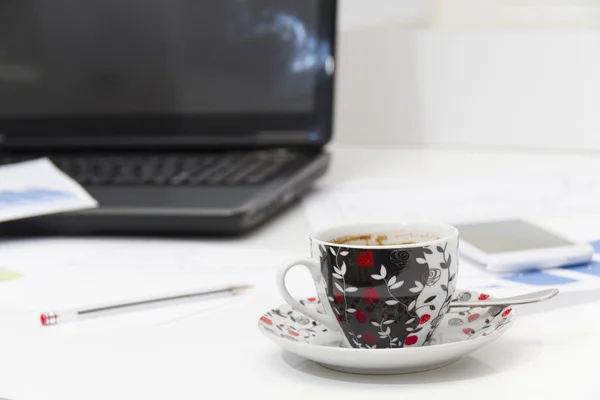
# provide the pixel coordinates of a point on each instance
(293, 333)
(484, 296)
(364, 259)
(367, 337)
(361, 316)
(312, 299)
(339, 298)
(466, 331)
(424, 318)
(266, 320)
(410, 340)
(505, 313)
(339, 318)
(371, 295)
(473, 317)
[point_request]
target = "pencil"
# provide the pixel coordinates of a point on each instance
(71, 315)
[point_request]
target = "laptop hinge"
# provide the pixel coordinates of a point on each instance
(261, 139)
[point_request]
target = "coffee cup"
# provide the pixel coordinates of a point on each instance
(380, 285)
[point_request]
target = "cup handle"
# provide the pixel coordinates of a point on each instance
(314, 268)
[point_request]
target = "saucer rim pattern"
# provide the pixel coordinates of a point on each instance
(277, 337)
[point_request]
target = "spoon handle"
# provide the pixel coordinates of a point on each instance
(533, 297)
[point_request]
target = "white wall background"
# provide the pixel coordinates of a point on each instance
(517, 73)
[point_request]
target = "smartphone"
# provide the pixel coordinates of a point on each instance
(517, 245)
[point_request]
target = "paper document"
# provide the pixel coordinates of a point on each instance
(38, 187)
(8, 275)
(580, 278)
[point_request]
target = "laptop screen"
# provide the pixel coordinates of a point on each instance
(187, 61)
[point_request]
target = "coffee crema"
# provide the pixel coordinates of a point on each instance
(377, 240)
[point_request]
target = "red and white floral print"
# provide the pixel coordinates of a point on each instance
(364, 259)
(287, 323)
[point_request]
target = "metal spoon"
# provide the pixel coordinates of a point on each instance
(533, 297)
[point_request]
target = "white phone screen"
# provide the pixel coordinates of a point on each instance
(509, 236)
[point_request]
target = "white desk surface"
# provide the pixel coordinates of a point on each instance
(213, 349)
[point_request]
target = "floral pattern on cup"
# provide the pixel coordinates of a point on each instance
(389, 298)
(400, 257)
(432, 276)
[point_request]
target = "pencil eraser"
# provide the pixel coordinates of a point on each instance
(48, 319)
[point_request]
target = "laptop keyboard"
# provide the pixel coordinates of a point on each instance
(247, 168)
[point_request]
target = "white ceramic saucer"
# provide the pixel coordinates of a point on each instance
(460, 333)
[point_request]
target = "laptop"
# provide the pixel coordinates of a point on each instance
(178, 116)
